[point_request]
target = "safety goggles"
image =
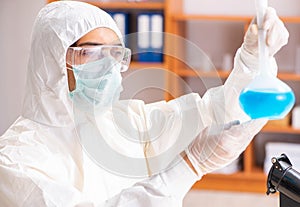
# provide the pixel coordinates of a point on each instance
(88, 54)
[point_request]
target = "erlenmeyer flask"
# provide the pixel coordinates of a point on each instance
(266, 96)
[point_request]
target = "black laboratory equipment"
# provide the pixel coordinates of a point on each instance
(286, 180)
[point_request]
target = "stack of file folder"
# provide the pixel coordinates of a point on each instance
(122, 21)
(150, 38)
(148, 43)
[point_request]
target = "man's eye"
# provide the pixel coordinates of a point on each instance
(86, 53)
(117, 53)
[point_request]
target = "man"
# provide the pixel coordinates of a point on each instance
(71, 146)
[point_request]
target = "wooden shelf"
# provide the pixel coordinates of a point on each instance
(225, 74)
(290, 19)
(200, 73)
(252, 178)
(126, 5)
(289, 76)
(129, 5)
(241, 181)
(280, 129)
(189, 17)
(143, 65)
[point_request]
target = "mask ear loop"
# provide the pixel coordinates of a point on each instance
(68, 67)
(69, 58)
(70, 73)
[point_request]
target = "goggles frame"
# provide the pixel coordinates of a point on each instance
(82, 55)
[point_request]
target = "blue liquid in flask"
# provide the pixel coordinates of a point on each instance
(266, 96)
(266, 104)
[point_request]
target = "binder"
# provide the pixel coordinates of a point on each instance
(150, 37)
(122, 21)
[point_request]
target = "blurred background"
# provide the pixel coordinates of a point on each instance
(16, 21)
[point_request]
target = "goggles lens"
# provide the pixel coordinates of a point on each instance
(83, 55)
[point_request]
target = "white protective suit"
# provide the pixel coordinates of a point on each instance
(42, 162)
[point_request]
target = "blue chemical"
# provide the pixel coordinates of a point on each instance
(266, 104)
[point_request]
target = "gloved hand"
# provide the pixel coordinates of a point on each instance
(276, 37)
(215, 147)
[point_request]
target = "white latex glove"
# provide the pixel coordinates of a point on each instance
(276, 37)
(218, 146)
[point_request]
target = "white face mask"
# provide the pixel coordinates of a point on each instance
(98, 84)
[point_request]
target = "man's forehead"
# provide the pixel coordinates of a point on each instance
(100, 36)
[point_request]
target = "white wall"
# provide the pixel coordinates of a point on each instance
(16, 20)
(238, 7)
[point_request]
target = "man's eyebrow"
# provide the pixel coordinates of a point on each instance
(95, 44)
